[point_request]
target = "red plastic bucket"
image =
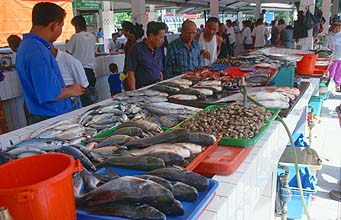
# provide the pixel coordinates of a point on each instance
(39, 187)
(307, 65)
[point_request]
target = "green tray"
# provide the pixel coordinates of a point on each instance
(238, 141)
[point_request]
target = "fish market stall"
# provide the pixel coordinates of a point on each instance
(248, 191)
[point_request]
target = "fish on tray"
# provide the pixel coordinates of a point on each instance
(184, 97)
(134, 162)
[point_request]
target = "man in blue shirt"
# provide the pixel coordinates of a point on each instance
(183, 54)
(42, 84)
(144, 65)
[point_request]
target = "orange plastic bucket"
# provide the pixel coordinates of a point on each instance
(307, 65)
(39, 187)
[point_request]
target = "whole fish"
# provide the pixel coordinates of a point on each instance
(129, 211)
(183, 82)
(115, 140)
(90, 180)
(194, 148)
(20, 150)
(71, 133)
(109, 175)
(170, 158)
(49, 133)
(151, 92)
(131, 131)
(201, 138)
(163, 182)
(184, 192)
(173, 209)
(42, 129)
(181, 150)
(43, 144)
(77, 154)
(167, 89)
(184, 97)
(108, 150)
(190, 91)
(131, 189)
(179, 135)
(206, 92)
(188, 177)
(134, 162)
(143, 124)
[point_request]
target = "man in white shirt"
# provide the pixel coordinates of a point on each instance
(232, 37)
(72, 71)
(246, 35)
(260, 34)
(114, 45)
(82, 46)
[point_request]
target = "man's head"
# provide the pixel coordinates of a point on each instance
(48, 18)
(127, 28)
(228, 23)
(14, 42)
(221, 28)
(211, 26)
(114, 36)
(113, 68)
(188, 31)
(336, 26)
(79, 23)
(156, 33)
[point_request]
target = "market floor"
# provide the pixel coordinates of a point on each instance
(327, 143)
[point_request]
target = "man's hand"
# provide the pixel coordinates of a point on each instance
(72, 90)
(206, 54)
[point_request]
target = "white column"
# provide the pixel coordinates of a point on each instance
(240, 19)
(287, 18)
(152, 13)
(335, 7)
(307, 43)
(108, 22)
(258, 9)
(326, 14)
(214, 8)
(139, 13)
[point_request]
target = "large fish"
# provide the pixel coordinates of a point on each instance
(163, 182)
(163, 88)
(43, 144)
(44, 128)
(173, 209)
(201, 138)
(129, 189)
(143, 124)
(188, 177)
(128, 210)
(115, 140)
(19, 150)
(170, 158)
(131, 131)
(181, 150)
(77, 154)
(184, 192)
(184, 97)
(132, 162)
(90, 180)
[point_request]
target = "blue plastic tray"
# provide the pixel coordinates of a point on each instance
(192, 209)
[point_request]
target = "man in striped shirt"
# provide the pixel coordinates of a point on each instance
(183, 54)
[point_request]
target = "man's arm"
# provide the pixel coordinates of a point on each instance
(131, 80)
(219, 41)
(73, 90)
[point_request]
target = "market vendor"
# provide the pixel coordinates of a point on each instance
(209, 42)
(42, 84)
(145, 65)
(183, 54)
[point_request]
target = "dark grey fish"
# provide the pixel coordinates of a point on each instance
(151, 92)
(134, 162)
(168, 121)
(170, 158)
(109, 174)
(188, 177)
(90, 180)
(129, 189)
(115, 140)
(163, 182)
(167, 89)
(131, 131)
(201, 138)
(130, 211)
(77, 154)
(190, 91)
(184, 192)
(173, 209)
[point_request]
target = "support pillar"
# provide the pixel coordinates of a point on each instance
(214, 8)
(108, 20)
(139, 13)
(152, 13)
(307, 43)
(326, 14)
(335, 9)
(240, 19)
(258, 9)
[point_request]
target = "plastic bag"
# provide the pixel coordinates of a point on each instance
(309, 20)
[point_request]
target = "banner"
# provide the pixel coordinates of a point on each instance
(16, 18)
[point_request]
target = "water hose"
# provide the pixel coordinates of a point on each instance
(298, 176)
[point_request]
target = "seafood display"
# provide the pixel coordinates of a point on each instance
(234, 121)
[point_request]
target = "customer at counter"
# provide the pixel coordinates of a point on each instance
(209, 42)
(42, 84)
(145, 65)
(183, 54)
(82, 46)
(114, 45)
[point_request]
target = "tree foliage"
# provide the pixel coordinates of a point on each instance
(120, 17)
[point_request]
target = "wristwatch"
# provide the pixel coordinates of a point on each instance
(338, 109)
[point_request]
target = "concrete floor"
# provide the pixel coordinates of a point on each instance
(327, 142)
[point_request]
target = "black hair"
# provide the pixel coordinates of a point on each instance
(113, 68)
(228, 21)
(138, 31)
(127, 25)
(213, 19)
(44, 13)
(113, 34)
(79, 20)
(154, 27)
(14, 42)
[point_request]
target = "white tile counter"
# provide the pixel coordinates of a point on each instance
(248, 193)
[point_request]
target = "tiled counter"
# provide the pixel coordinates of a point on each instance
(249, 193)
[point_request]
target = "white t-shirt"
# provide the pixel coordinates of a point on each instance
(211, 47)
(71, 69)
(82, 46)
(114, 46)
(259, 33)
(230, 32)
(247, 33)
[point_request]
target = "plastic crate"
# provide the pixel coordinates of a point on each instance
(295, 207)
(316, 102)
(299, 140)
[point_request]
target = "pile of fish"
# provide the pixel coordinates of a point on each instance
(151, 195)
(233, 121)
(141, 96)
(269, 96)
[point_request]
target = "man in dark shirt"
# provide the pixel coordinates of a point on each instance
(145, 65)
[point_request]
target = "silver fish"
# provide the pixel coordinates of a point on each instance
(42, 129)
(27, 154)
(49, 133)
(165, 147)
(43, 144)
(184, 97)
(19, 150)
(151, 92)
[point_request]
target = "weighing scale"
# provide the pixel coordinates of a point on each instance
(285, 74)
